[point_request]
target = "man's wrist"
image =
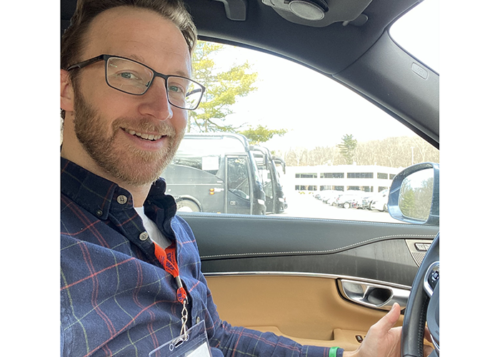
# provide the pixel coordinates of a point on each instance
(349, 353)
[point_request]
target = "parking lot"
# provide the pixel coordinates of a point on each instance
(305, 205)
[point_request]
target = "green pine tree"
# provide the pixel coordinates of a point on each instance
(347, 148)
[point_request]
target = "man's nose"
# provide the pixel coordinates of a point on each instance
(155, 102)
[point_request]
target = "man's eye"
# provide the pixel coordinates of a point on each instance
(175, 89)
(128, 75)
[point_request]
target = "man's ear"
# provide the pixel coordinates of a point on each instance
(67, 93)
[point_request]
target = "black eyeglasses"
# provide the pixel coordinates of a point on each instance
(135, 78)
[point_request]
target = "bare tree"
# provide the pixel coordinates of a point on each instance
(392, 152)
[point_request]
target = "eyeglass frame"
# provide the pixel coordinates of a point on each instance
(105, 58)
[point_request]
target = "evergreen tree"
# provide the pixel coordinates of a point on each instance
(348, 147)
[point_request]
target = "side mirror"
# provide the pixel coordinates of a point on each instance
(414, 195)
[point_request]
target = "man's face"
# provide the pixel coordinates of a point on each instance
(127, 138)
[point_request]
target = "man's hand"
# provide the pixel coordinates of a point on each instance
(383, 339)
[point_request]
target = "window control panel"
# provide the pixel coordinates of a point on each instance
(418, 248)
(422, 247)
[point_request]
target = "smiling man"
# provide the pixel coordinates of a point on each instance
(121, 121)
(131, 280)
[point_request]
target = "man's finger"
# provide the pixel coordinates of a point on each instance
(427, 350)
(388, 321)
(427, 334)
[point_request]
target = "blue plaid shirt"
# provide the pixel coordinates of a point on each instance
(116, 299)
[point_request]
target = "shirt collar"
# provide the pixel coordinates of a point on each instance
(99, 195)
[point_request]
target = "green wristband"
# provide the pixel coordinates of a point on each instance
(333, 352)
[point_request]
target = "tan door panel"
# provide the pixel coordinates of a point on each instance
(307, 309)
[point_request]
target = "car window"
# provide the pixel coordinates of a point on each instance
(417, 32)
(309, 147)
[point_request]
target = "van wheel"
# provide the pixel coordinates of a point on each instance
(187, 206)
(347, 205)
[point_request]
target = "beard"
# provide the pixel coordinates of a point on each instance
(124, 162)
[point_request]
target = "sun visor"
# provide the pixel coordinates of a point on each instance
(321, 13)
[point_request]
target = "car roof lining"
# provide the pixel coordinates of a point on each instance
(328, 51)
(335, 47)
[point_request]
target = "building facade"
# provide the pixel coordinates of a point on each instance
(313, 179)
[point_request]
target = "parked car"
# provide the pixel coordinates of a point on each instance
(349, 199)
(363, 200)
(380, 200)
(326, 196)
(366, 200)
(332, 200)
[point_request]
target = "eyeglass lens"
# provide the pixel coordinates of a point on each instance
(134, 78)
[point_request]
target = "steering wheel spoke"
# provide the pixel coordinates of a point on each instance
(431, 278)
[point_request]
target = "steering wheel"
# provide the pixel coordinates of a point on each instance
(423, 305)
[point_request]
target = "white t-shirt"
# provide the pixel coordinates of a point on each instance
(154, 233)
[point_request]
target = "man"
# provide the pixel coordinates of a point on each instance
(125, 92)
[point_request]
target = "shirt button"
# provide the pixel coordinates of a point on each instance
(99, 213)
(144, 236)
(198, 320)
(122, 199)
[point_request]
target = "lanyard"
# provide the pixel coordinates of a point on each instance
(169, 262)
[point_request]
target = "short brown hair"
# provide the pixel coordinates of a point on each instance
(73, 39)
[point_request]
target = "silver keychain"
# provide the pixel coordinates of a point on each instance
(184, 335)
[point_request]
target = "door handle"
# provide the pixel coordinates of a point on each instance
(373, 295)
